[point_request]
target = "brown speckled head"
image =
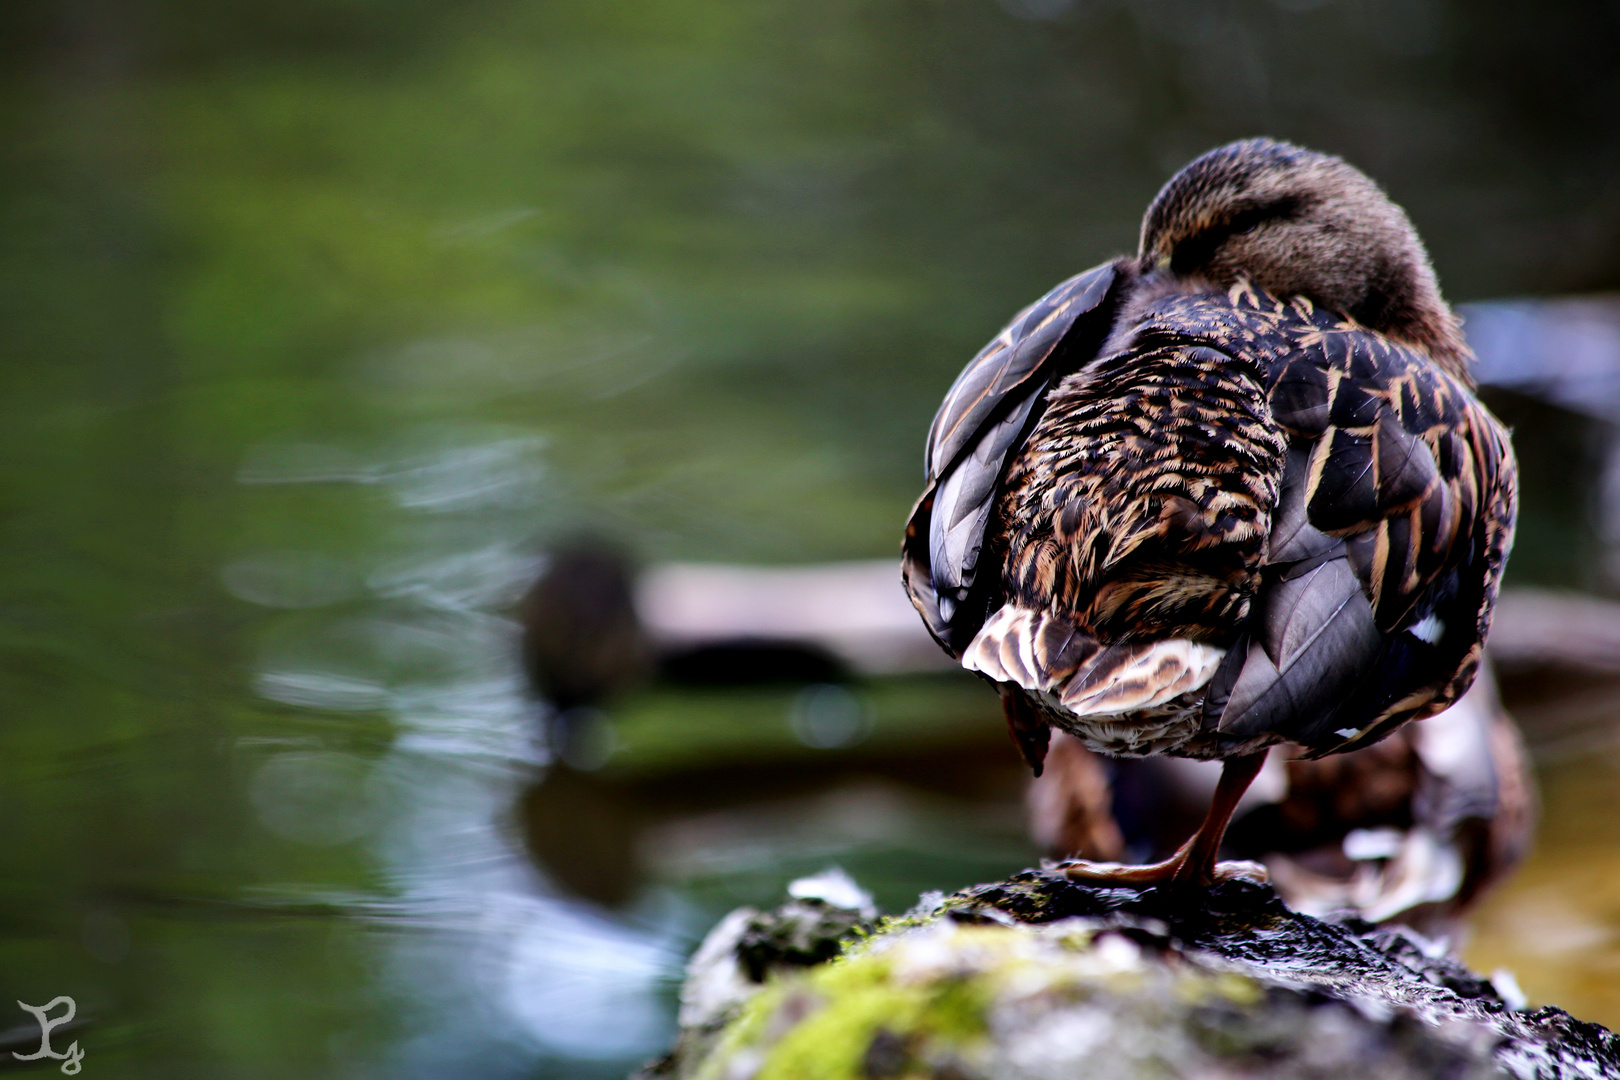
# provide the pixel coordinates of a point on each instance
(1298, 223)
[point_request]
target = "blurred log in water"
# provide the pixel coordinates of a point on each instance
(1564, 355)
(855, 611)
(1565, 351)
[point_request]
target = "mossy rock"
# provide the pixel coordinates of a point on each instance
(1041, 977)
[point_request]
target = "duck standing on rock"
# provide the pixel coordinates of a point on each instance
(1232, 492)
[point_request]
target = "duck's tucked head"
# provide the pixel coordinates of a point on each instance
(1298, 223)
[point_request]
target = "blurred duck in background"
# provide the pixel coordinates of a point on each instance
(772, 716)
(582, 645)
(1411, 830)
(582, 641)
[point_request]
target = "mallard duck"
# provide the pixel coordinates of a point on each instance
(1233, 491)
(1413, 829)
(582, 640)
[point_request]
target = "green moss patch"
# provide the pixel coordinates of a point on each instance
(831, 1022)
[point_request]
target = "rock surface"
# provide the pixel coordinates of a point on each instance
(1041, 977)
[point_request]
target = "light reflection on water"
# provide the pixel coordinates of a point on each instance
(498, 969)
(499, 958)
(492, 956)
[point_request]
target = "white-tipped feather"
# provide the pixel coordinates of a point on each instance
(1004, 649)
(1162, 671)
(1109, 682)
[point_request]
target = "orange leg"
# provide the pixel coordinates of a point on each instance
(1194, 863)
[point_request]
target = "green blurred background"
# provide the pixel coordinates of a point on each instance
(323, 317)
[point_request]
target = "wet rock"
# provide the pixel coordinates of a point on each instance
(823, 915)
(1041, 977)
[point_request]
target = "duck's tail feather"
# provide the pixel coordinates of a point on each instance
(1048, 653)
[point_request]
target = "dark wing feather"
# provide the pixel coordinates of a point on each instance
(1393, 521)
(1008, 362)
(982, 420)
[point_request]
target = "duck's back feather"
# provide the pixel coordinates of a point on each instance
(1394, 517)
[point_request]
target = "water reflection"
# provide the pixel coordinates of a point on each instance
(290, 579)
(498, 957)
(492, 955)
(317, 797)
